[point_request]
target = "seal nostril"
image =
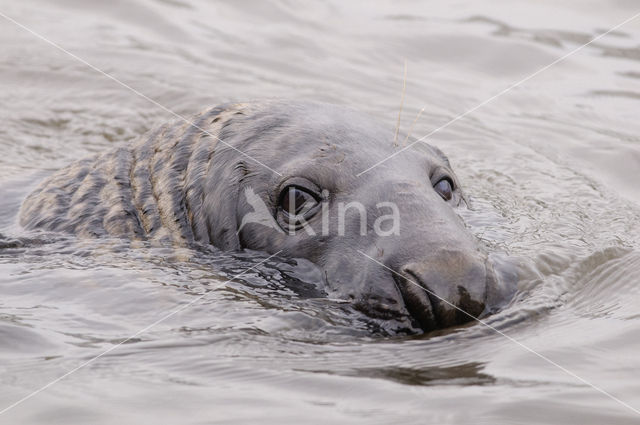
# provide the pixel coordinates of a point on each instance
(467, 309)
(417, 300)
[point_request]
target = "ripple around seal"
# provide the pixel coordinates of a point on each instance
(608, 286)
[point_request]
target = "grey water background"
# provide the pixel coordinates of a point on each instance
(552, 169)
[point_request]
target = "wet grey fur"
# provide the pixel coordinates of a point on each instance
(153, 188)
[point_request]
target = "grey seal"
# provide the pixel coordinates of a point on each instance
(207, 183)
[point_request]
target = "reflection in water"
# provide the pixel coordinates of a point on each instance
(467, 374)
(550, 170)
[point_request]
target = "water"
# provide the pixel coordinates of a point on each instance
(552, 168)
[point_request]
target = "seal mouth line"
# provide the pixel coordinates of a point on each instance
(513, 340)
(504, 91)
(137, 92)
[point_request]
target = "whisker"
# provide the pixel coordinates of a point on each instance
(404, 86)
(412, 125)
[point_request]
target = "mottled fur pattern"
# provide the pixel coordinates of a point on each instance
(152, 189)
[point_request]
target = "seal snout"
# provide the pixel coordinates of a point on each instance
(446, 290)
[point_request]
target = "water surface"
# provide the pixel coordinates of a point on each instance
(552, 169)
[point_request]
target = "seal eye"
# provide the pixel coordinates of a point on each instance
(296, 201)
(444, 189)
